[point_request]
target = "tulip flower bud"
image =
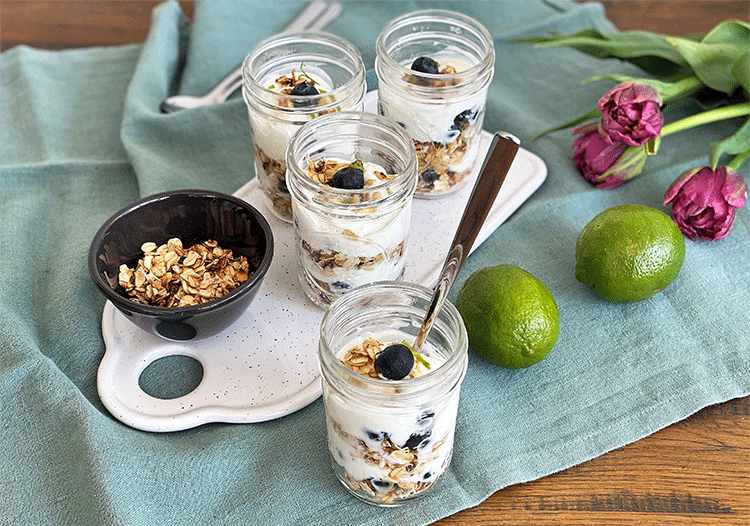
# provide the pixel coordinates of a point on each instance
(631, 113)
(594, 155)
(704, 201)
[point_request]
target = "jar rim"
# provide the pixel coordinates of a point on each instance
(409, 388)
(404, 182)
(473, 73)
(251, 84)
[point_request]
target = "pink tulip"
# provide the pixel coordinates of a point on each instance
(631, 113)
(704, 201)
(603, 163)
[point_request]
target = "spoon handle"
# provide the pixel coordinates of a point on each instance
(496, 165)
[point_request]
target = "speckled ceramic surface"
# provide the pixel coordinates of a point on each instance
(265, 365)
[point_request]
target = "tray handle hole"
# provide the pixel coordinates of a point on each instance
(171, 376)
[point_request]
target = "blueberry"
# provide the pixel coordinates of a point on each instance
(282, 188)
(377, 437)
(378, 483)
(425, 418)
(427, 475)
(452, 134)
(394, 362)
(463, 119)
(349, 178)
(416, 439)
(339, 286)
(425, 65)
(304, 89)
(430, 175)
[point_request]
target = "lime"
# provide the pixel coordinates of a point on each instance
(510, 316)
(629, 253)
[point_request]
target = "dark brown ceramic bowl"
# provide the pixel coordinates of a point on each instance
(194, 216)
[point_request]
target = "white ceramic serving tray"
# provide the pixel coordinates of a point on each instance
(265, 365)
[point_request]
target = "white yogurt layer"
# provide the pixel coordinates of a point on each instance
(366, 248)
(392, 453)
(431, 119)
(273, 130)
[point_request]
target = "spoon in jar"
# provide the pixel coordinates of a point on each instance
(496, 165)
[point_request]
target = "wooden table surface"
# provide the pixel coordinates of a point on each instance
(695, 472)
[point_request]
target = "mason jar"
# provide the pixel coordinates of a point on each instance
(441, 103)
(390, 441)
(271, 70)
(346, 237)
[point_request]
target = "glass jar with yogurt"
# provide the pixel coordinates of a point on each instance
(390, 440)
(288, 80)
(434, 68)
(352, 177)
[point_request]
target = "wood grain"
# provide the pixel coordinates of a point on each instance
(695, 472)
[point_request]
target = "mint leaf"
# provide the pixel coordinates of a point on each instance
(418, 357)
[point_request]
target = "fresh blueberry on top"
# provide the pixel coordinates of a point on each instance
(425, 65)
(349, 178)
(394, 362)
(304, 88)
(430, 175)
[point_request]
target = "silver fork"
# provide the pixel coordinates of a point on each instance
(314, 17)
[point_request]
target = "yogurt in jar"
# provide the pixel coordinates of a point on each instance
(273, 129)
(434, 68)
(340, 252)
(276, 70)
(390, 455)
(445, 127)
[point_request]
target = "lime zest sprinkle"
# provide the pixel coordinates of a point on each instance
(417, 356)
(358, 165)
(272, 86)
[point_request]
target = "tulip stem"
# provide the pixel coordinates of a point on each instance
(737, 160)
(718, 114)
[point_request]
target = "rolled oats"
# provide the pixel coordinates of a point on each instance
(274, 183)
(400, 465)
(172, 276)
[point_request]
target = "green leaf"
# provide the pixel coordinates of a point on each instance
(652, 146)
(649, 51)
(741, 71)
(668, 90)
(735, 144)
(417, 356)
(631, 162)
(593, 114)
(714, 58)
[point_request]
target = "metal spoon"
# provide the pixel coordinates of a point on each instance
(316, 16)
(496, 165)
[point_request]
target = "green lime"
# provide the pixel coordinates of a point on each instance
(629, 253)
(510, 316)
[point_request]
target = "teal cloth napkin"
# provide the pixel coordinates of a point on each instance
(81, 136)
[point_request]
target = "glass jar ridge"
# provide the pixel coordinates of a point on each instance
(269, 71)
(391, 441)
(441, 102)
(345, 238)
